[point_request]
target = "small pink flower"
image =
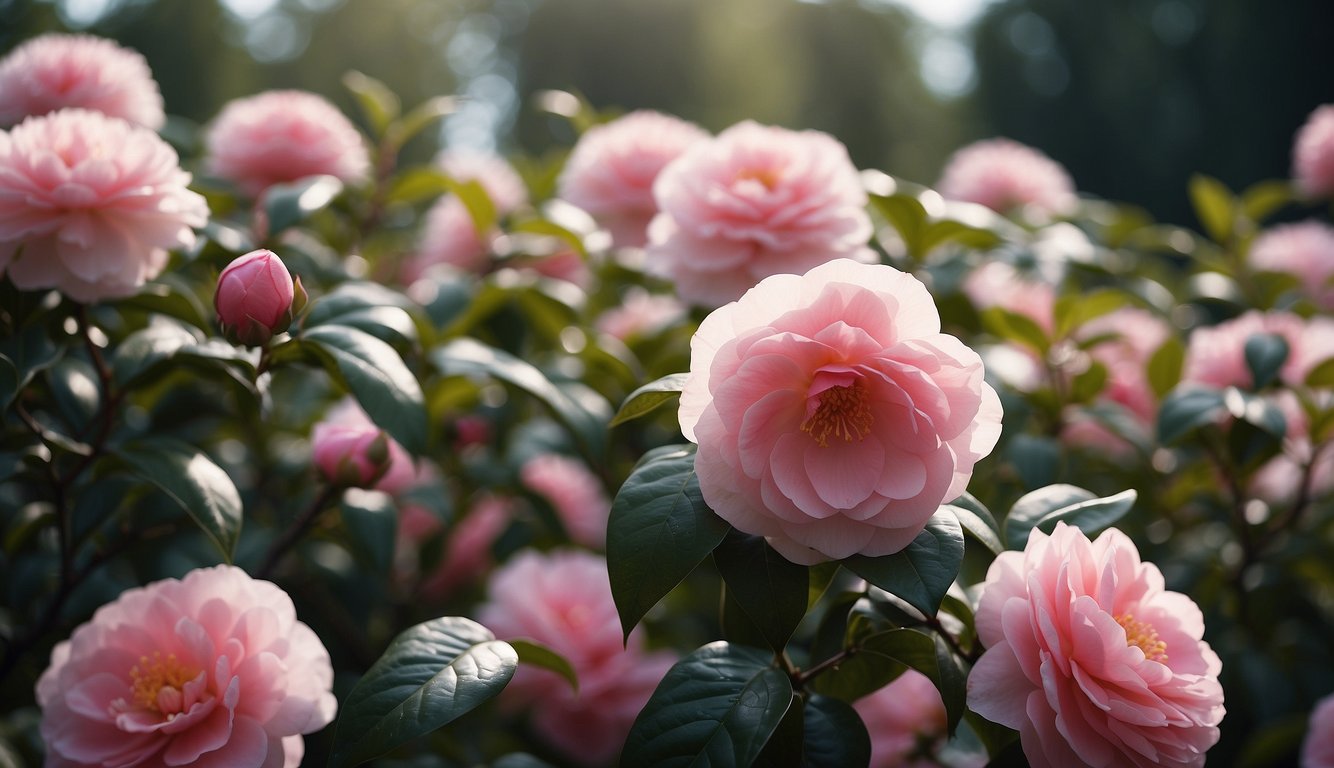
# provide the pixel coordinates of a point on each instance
(1091, 659)
(502, 184)
(281, 136)
(90, 205)
(997, 284)
(1313, 154)
(832, 415)
(1318, 748)
(254, 297)
(1216, 355)
(449, 237)
(574, 492)
(351, 451)
(467, 555)
(54, 71)
(1135, 335)
(906, 720)
(611, 171)
(640, 313)
(1305, 250)
(1004, 175)
(753, 202)
(213, 670)
(563, 600)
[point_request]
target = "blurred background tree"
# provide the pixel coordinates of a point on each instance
(1131, 95)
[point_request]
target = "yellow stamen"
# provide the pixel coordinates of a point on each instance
(1142, 634)
(843, 412)
(767, 177)
(157, 683)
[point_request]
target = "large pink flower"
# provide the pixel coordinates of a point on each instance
(639, 313)
(906, 720)
(1305, 250)
(1004, 175)
(502, 184)
(1091, 659)
(753, 202)
(281, 136)
(56, 71)
(1313, 153)
(213, 670)
(449, 238)
(611, 171)
(1318, 748)
(563, 600)
(832, 415)
(1216, 355)
(90, 205)
(574, 492)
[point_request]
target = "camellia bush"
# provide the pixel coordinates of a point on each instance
(674, 449)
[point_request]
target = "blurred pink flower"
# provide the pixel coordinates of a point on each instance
(753, 202)
(574, 492)
(1091, 659)
(997, 284)
(213, 670)
(1305, 250)
(562, 264)
(502, 184)
(1313, 153)
(640, 313)
(611, 171)
(1004, 175)
(1318, 748)
(563, 600)
(1134, 335)
(282, 136)
(254, 297)
(1216, 355)
(350, 450)
(449, 237)
(55, 71)
(832, 415)
(467, 555)
(90, 205)
(902, 718)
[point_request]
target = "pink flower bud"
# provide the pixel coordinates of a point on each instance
(350, 455)
(254, 298)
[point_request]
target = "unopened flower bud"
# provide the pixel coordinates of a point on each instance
(254, 298)
(350, 456)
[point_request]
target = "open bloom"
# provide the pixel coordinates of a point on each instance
(753, 202)
(1313, 153)
(254, 297)
(1306, 250)
(1091, 659)
(1003, 175)
(1318, 748)
(212, 670)
(90, 205)
(350, 450)
(574, 492)
(611, 171)
(832, 415)
(57, 71)
(640, 313)
(282, 136)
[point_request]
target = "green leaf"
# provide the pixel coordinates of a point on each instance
(291, 203)
(1165, 366)
(378, 103)
(716, 707)
(371, 519)
(983, 529)
(22, 356)
(418, 184)
(1265, 355)
(202, 489)
(1036, 458)
(172, 298)
(1089, 383)
(478, 202)
(1045, 507)
(1073, 311)
(1186, 410)
(538, 655)
(552, 229)
(835, 736)
(430, 675)
(368, 307)
(771, 589)
(930, 655)
(1255, 409)
(1321, 375)
(1260, 200)
(166, 345)
(907, 215)
(1214, 206)
(419, 119)
(938, 233)
(659, 530)
(77, 391)
(1017, 328)
(922, 573)
(648, 397)
(376, 376)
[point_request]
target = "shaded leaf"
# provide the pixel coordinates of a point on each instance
(835, 735)
(922, 573)
(538, 655)
(1165, 366)
(771, 589)
(1265, 355)
(1214, 206)
(201, 488)
(371, 519)
(1045, 507)
(1186, 410)
(291, 203)
(378, 103)
(376, 376)
(648, 397)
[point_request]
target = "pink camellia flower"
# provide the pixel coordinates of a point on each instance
(832, 415)
(906, 720)
(212, 670)
(502, 184)
(57, 71)
(254, 298)
(449, 237)
(1318, 748)
(611, 171)
(1091, 659)
(1305, 250)
(282, 136)
(753, 202)
(640, 313)
(467, 554)
(1216, 355)
(563, 600)
(1313, 153)
(998, 284)
(1133, 335)
(574, 492)
(90, 205)
(351, 451)
(1005, 175)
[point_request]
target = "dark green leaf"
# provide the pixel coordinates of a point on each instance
(1186, 410)
(983, 529)
(922, 573)
(938, 233)
(538, 655)
(1036, 458)
(291, 203)
(836, 737)
(77, 391)
(648, 397)
(1255, 409)
(928, 654)
(371, 519)
(1089, 383)
(22, 356)
(368, 307)
(1037, 505)
(1265, 355)
(172, 298)
(784, 747)
(419, 119)
(202, 489)
(146, 348)
(1214, 206)
(1165, 366)
(771, 589)
(376, 376)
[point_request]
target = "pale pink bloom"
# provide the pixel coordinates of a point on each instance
(1004, 175)
(90, 205)
(563, 264)
(901, 718)
(1305, 250)
(282, 136)
(1216, 355)
(55, 71)
(350, 450)
(832, 415)
(449, 238)
(563, 600)
(502, 184)
(998, 284)
(1091, 659)
(1318, 748)
(753, 202)
(574, 492)
(1313, 153)
(467, 548)
(254, 297)
(1281, 478)
(212, 670)
(611, 171)
(640, 313)
(1135, 334)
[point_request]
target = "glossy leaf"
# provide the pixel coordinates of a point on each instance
(648, 397)
(371, 520)
(201, 488)
(22, 356)
(376, 376)
(835, 735)
(536, 654)
(1015, 327)
(291, 203)
(983, 529)
(771, 589)
(928, 654)
(1045, 507)
(1186, 410)
(1265, 355)
(367, 307)
(922, 573)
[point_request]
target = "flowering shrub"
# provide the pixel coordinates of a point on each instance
(693, 449)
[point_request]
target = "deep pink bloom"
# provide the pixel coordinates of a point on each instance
(55, 71)
(906, 720)
(574, 492)
(640, 313)
(282, 136)
(254, 297)
(563, 600)
(350, 450)
(1313, 153)
(753, 202)
(213, 670)
(1318, 748)
(1004, 175)
(1091, 659)
(611, 171)
(998, 284)
(832, 415)
(502, 184)
(90, 205)
(1305, 250)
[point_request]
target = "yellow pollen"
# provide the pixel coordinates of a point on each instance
(154, 676)
(1142, 634)
(843, 412)
(767, 177)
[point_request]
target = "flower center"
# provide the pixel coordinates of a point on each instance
(158, 682)
(766, 177)
(843, 412)
(1142, 634)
